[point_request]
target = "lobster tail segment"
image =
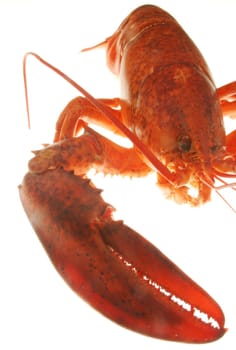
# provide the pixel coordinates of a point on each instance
(111, 266)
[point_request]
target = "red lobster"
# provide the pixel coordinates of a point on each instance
(172, 112)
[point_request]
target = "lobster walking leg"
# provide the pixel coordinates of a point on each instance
(231, 142)
(227, 95)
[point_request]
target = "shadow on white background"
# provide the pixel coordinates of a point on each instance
(38, 311)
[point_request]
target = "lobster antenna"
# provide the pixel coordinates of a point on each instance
(225, 200)
(26, 90)
(97, 46)
(225, 185)
(218, 188)
(157, 165)
(231, 185)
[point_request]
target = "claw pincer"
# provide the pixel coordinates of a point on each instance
(111, 266)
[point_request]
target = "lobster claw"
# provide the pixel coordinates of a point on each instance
(111, 266)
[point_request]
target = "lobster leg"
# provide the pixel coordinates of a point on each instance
(231, 142)
(79, 111)
(91, 150)
(227, 95)
(111, 266)
(181, 194)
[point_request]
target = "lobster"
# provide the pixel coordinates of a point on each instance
(172, 112)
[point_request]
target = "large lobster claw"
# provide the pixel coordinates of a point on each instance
(111, 266)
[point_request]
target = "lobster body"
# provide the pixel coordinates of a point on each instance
(172, 112)
(168, 97)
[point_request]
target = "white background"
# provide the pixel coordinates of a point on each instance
(37, 310)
